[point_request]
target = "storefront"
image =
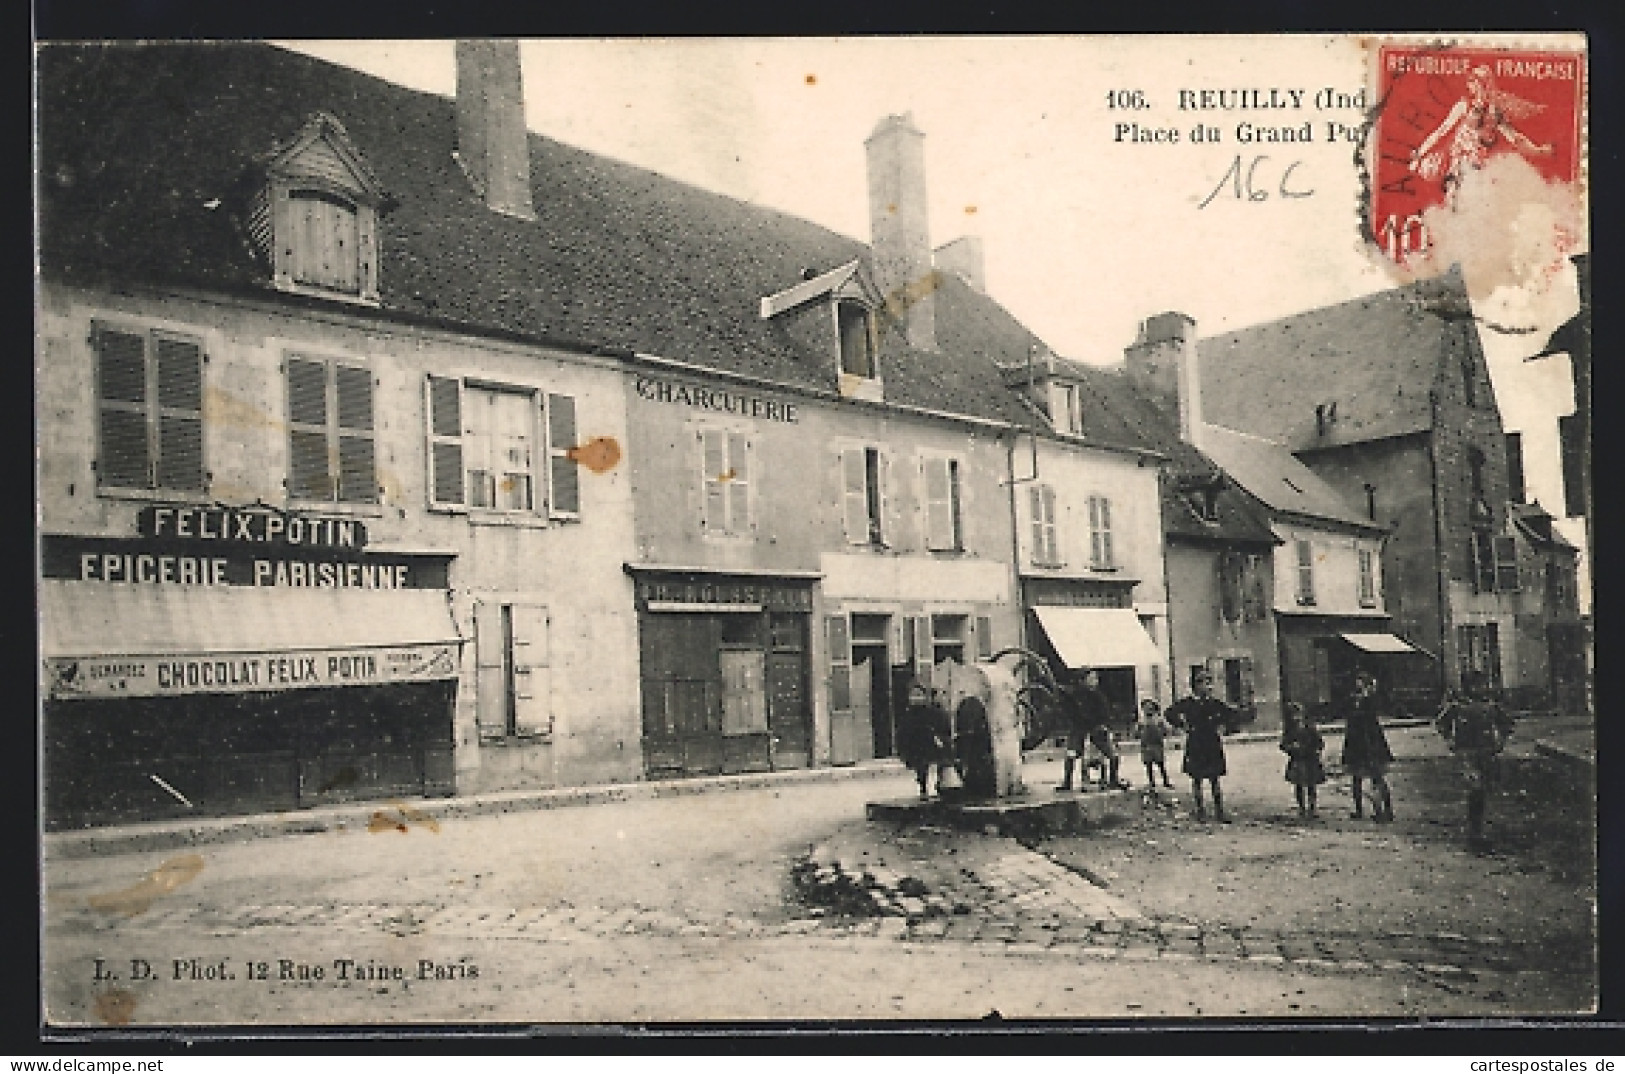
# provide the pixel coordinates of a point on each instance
(1090, 623)
(724, 671)
(229, 661)
(1321, 654)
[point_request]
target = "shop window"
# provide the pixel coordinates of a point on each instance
(942, 512)
(1046, 551)
(1066, 408)
(948, 638)
(1306, 572)
(513, 698)
(725, 466)
(863, 474)
(331, 448)
(482, 448)
(149, 388)
(856, 324)
(1368, 578)
(1101, 556)
(1478, 649)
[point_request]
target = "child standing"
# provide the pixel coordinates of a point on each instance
(1153, 728)
(1302, 744)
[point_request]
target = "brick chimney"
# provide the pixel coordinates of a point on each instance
(897, 225)
(493, 145)
(1161, 362)
(963, 258)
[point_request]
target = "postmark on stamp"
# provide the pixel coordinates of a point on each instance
(1477, 156)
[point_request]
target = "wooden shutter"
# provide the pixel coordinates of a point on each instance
(881, 528)
(1246, 682)
(357, 463)
(179, 377)
(855, 495)
(939, 505)
(490, 670)
(1052, 544)
(1107, 556)
(924, 650)
(737, 486)
(532, 682)
(839, 642)
(984, 637)
(714, 505)
(1306, 572)
(309, 477)
(124, 458)
(1035, 508)
(1229, 564)
(1506, 564)
(444, 412)
(564, 476)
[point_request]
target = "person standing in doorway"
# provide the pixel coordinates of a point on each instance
(1366, 755)
(1204, 719)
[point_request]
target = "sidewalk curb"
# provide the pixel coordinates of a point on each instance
(169, 835)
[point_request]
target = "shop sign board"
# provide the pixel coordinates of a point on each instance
(217, 673)
(689, 592)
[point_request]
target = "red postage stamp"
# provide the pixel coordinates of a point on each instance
(1452, 122)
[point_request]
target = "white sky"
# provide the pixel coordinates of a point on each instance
(1084, 236)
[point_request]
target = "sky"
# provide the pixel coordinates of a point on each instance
(1090, 219)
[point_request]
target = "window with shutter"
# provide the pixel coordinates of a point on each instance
(1481, 554)
(854, 496)
(1046, 548)
(1368, 578)
(1506, 564)
(840, 663)
(923, 649)
(1230, 586)
(564, 476)
(1255, 608)
(726, 475)
(324, 249)
(984, 637)
(531, 682)
(330, 431)
(445, 421)
(942, 504)
(149, 410)
(857, 340)
(1100, 533)
(1306, 571)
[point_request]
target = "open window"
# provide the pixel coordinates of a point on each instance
(486, 454)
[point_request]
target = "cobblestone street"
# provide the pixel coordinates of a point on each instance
(686, 908)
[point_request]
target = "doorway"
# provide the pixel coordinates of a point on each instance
(871, 663)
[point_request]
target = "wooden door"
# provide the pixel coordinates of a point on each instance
(863, 685)
(745, 739)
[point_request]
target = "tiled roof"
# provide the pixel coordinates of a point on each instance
(1272, 474)
(1236, 516)
(1375, 357)
(145, 150)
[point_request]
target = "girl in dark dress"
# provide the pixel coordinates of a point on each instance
(1301, 742)
(1366, 755)
(1205, 719)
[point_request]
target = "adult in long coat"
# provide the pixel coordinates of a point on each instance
(1205, 719)
(924, 736)
(1366, 755)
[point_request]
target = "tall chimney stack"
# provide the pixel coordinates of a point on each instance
(897, 225)
(1162, 363)
(493, 144)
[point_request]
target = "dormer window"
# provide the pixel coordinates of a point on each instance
(857, 332)
(1066, 408)
(314, 215)
(323, 244)
(834, 314)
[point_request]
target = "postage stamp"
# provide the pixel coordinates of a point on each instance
(1453, 123)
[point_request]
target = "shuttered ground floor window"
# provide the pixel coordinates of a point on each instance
(152, 758)
(724, 692)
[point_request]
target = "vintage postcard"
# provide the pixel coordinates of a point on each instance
(638, 531)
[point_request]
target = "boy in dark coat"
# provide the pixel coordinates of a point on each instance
(1205, 719)
(924, 736)
(1477, 729)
